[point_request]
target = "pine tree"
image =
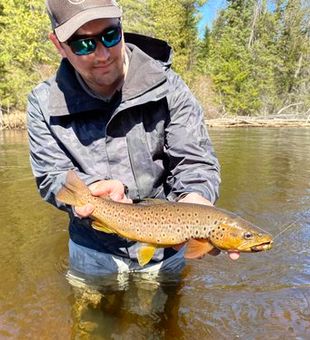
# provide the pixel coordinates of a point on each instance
(176, 22)
(25, 49)
(137, 16)
(230, 63)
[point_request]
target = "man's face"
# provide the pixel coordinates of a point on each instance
(104, 69)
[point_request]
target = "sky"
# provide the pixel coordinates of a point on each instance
(209, 13)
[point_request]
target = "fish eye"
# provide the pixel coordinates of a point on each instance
(248, 235)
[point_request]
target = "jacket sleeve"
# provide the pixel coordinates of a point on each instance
(193, 166)
(49, 160)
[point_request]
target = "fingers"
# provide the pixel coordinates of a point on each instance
(85, 210)
(233, 255)
(111, 187)
(196, 198)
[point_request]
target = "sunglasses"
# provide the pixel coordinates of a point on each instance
(110, 37)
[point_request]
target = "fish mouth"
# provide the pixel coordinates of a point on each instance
(262, 246)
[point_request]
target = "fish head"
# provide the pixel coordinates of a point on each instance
(237, 234)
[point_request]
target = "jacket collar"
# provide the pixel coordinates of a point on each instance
(144, 74)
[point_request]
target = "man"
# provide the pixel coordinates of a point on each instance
(118, 115)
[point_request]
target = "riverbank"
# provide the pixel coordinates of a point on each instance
(269, 121)
(17, 121)
(13, 121)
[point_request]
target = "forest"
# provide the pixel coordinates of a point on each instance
(254, 60)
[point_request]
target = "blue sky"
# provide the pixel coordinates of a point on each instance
(209, 12)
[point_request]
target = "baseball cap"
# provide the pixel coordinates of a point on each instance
(67, 16)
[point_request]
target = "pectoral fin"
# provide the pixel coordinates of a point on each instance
(198, 248)
(98, 225)
(177, 247)
(145, 254)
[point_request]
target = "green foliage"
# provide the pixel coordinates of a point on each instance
(253, 61)
(259, 59)
(173, 21)
(137, 16)
(176, 22)
(25, 49)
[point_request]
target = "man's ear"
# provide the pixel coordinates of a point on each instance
(52, 37)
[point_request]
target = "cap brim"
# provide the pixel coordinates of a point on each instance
(66, 30)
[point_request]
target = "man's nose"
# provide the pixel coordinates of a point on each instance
(102, 52)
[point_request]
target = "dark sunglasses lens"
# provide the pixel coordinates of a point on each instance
(112, 37)
(83, 46)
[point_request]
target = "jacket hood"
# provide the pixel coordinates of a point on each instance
(155, 48)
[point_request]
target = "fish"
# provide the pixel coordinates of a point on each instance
(161, 223)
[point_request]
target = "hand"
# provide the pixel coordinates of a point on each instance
(196, 198)
(111, 188)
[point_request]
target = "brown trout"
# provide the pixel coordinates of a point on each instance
(167, 224)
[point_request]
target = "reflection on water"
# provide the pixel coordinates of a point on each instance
(265, 178)
(133, 304)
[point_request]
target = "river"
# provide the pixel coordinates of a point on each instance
(265, 179)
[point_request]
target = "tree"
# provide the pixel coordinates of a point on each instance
(26, 52)
(176, 22)
(230, 63)
(294, 47)
(137, 16)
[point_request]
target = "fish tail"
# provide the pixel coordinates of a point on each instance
(73, 190)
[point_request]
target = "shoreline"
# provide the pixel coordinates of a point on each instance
(19, 124)
(267, 122)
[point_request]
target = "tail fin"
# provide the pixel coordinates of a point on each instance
(74, 191)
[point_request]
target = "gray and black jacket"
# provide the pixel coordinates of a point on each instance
(150, 136)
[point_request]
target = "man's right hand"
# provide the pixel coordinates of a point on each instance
(112, 188)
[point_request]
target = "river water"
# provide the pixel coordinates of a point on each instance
(265, 179)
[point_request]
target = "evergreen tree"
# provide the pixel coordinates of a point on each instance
(25, 49)
(230, 63)
(137, 16)
(293, 46)
(176, 22)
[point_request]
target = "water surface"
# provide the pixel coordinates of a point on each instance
(265, 179)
